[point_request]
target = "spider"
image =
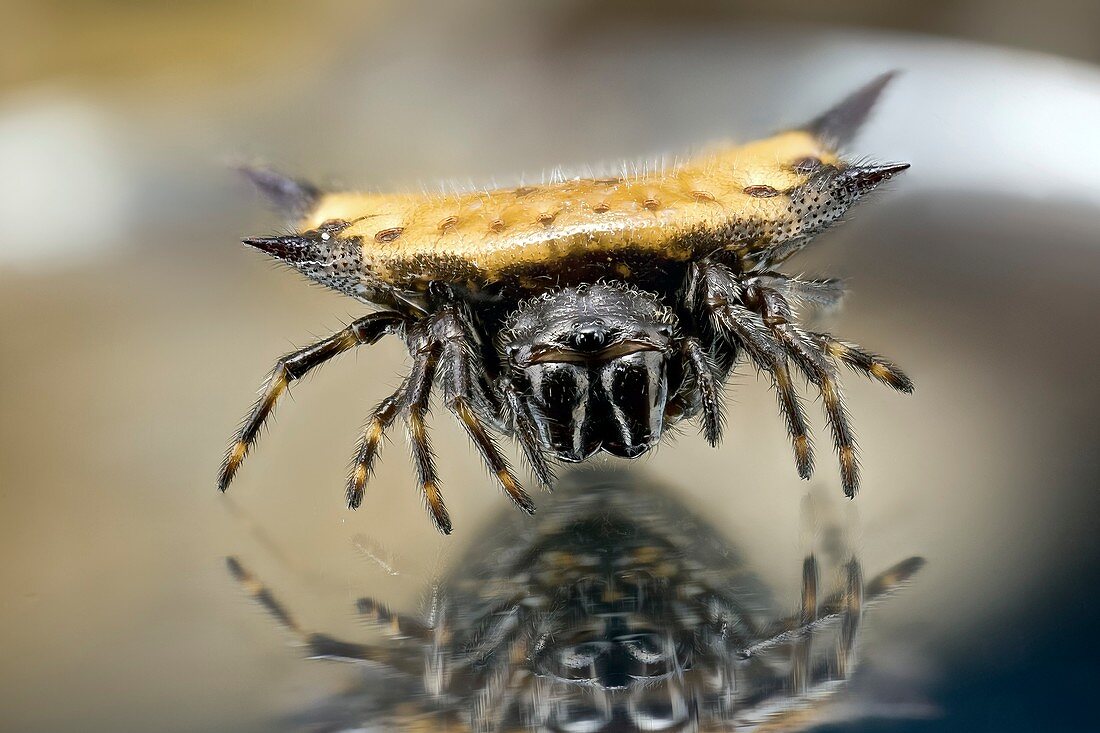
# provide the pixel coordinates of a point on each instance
(617, 610)
(586, 314)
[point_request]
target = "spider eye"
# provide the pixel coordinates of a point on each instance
(589, 336)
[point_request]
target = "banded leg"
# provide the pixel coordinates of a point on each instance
(322, 646)
(863, 362)
(699, 363)
(443, 343)
(491, 454)
(416, 409)
(380, 420)
(821, 373)
(397, 626)
(468, 396)
(365, 331)
(720, 301)
(464, 396)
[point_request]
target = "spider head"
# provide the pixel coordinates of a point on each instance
(592, 366)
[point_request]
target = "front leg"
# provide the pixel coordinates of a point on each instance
(817, 357)
(464, 392)
(716, 295)
(444, 348)
(753, 311)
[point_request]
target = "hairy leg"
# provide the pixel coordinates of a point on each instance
(523, 426)
(698, 364)
(720, 294)
(777, 314)
(380, 420)
(322, 646)
(863, 362)
(465, 396)
(416, 409)
(366, 330)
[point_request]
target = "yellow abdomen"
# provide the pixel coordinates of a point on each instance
(409, 240)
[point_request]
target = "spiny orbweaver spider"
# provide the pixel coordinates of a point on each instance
(587, 314)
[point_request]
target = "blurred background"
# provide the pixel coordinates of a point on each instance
(134, 328)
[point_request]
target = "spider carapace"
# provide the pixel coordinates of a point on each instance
(587, 314)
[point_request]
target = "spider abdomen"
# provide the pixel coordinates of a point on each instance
(731, 196)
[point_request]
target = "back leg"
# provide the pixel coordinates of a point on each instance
(366, 330)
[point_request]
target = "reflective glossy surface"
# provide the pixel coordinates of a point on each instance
(616, 610)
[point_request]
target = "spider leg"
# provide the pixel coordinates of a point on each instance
(380, 420)
(364, 331)
(809, 358)
(698, 362)
(465, 395)
(320, 646)
(862, 361)
(851, 617)
(416, 408)
(526, 433)
(836, 605)
(491, 454)
(397, 625)
(720, 300)
(824, 292)
(502, 683)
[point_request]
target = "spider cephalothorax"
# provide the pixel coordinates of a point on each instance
(591, 313)
(591, 366)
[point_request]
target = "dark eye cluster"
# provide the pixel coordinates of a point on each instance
(591, 366)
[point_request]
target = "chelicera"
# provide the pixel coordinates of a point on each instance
(587, 314)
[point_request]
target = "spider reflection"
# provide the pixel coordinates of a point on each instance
(616, 609)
